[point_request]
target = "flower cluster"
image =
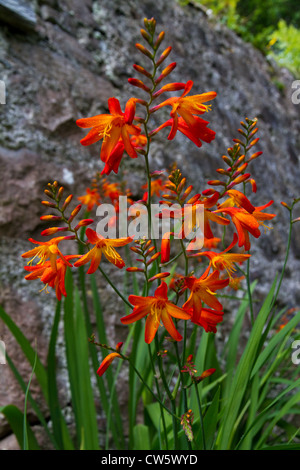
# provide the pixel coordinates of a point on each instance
(227, 207)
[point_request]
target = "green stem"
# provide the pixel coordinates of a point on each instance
(201, 416)
(286, 255)
(114, 287)
(183, 389)
(170, 396)
(160, 398)
(172, 413)
(249, 291)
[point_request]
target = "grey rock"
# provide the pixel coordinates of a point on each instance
(18, 14)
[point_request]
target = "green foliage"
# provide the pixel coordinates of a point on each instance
(271, 26)
(285, 48)
(242, 403)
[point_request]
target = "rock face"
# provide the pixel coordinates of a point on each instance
(61, 60)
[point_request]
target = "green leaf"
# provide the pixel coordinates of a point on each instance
(141, 437)
(25, 429)
(32, 402)
(28, 351)
(275, 340)
(110, 405)
(210, 422)
(15, 418)
(59, 426)
(79, 369)
(241, 378)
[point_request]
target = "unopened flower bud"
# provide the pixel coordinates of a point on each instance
(74, 213)
(159, 276)
(60, 193)
(134, 269)
(164, 55)
(52, 230)
(83, 223)
(138, 84)
(143, 50)
(165, 250)
(50, 217)
(67, 202)
(159, 40)
(142, 70)
(153, 258)
(49, 204)
(49, 193)
(165, 72)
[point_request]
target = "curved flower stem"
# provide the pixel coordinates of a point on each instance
(114, 287)
(126, 358)
(172, 413)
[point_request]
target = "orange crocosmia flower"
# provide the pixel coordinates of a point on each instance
(113, 161)
(139, 141)
(51, 278)
(156, 308)
(235, 282)
(47, 250)
(111, 127)
(108, 360)
(237, 198)
(210, 216)
(211, 242)
(90, 199)
(203, 133)
(246, 223)
(105, 246)
(156, 186)
(111, 191)
(195, 215)
(262, 216)
(203, 290)
(225, 260)
(187, 107)
(208, 318)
